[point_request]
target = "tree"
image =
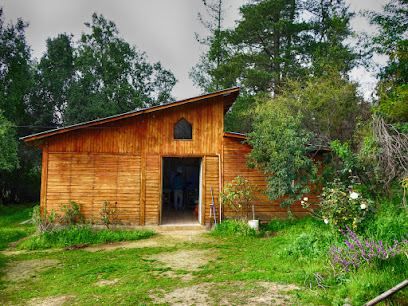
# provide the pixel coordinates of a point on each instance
(267, 42)
(330, 29)
(280, 150)
(14, 70)
(205, 74)
(8, 146)
(280, 39)
(392, 41)
(330, 106)
(53, 77)
(112, 77)
(19, 170)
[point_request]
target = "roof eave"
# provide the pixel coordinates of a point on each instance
(230, 93)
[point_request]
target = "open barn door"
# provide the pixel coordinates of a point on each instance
(181, 190)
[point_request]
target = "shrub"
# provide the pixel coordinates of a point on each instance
(109, 214)
(72, 213)
(238, 195)
(341, 206)
(364, 251)
(47, 222)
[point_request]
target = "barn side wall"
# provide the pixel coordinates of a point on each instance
(235, 164)
(91, 179)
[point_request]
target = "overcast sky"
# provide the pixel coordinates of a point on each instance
(164, 29)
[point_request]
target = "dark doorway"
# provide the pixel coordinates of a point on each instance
(181, 190)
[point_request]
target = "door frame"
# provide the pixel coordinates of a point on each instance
(201, 184)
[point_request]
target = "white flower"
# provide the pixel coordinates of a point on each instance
(305, 199)
(363, 206)
(326, 221)
(302, 202)
(354, 195)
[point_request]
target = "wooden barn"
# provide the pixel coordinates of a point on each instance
(131, 158)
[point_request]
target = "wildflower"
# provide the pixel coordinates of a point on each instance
(363, 206)
(350, 170)
(354, 195)
(302, 202)
(326, 221)
(305, 199)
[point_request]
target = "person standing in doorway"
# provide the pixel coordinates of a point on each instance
(177, 184)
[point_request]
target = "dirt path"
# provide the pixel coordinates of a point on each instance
(186, 259)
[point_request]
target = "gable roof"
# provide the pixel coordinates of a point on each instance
(230, 96)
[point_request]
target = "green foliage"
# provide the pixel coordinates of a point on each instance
(393, 101)
(206, 74)
(280, 150)
(392, 41)
(63, 237)
(241, 116)
(297, 255)
(329, 106)
(109, 214)
(275, 40)
(45, 222)
(391, 220)
(53, 77)
(72, 213)
(8, 145)
(341, 206)
(16, 162)
(14, 70)
(234, 228)
(112, 77)
(276, 225)
(238, 195)
(11, 228)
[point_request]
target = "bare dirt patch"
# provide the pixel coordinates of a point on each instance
(185, 277)
(163, 239)
(21, 270)
(227, 293)
(189, 260)
(51, 300)
(106, 282)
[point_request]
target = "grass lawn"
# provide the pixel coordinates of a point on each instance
(287, 267)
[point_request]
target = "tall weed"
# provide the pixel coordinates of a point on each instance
(390, 222)
(234, 228)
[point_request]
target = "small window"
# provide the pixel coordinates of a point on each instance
(183, 130)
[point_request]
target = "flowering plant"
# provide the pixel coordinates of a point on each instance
(359, 251)
(341, 206)
(109, 214)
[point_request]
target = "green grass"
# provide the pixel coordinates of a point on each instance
(284, 252)
(79, 235)
(10, 228)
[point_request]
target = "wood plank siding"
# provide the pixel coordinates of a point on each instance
(235, 164)
(92, 179)
(212, 180)
(119, 159)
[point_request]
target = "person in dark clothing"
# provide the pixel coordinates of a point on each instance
(177, 184)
